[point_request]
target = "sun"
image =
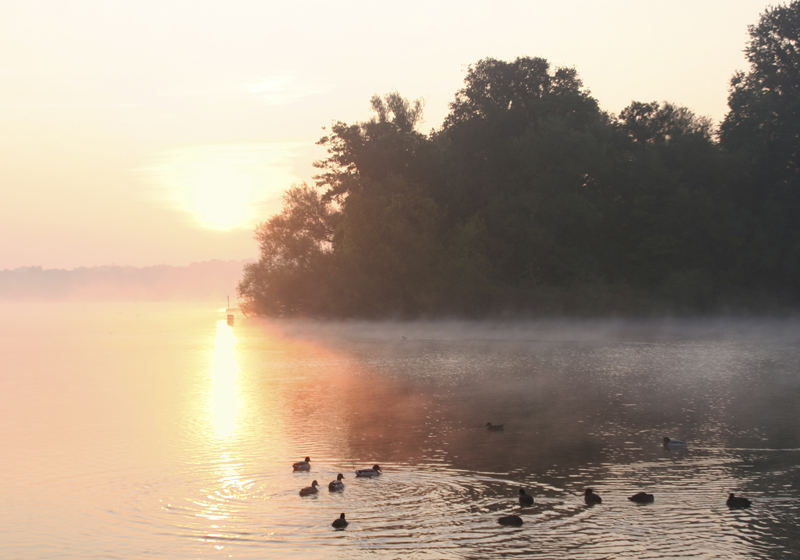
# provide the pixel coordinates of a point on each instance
(218, 193)
(223, 186)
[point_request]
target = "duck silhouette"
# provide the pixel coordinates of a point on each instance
(525, 499)
(736, 502)
(494, 427)
(336, 485)
(642, 498)
(591, 498)
(304, 465)
(340, 523)
(369, 473)
(510, 520)
(309, 490)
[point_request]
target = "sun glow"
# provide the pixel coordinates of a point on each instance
(225, 186)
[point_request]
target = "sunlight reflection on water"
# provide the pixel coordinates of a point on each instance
(153, 432)
(226, 398)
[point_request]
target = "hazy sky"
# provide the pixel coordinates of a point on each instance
(160, 132)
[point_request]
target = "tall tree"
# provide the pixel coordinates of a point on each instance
(765, 101)
(359, 154)
(762, 129)
(668, 213)
(295, 248)
(378, 171)
(523, 144)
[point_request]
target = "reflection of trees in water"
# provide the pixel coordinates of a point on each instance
(563, 403)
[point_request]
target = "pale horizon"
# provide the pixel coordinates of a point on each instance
(149, 134)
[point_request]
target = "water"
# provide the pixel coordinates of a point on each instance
(157, 431)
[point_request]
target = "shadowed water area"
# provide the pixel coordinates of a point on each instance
(153, 431)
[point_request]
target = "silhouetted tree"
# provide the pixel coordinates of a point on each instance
(295, 246)
(762, 130)
(671, 223)
(532, 199)
(359, 154)
(523, 145)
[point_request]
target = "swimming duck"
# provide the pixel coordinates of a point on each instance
(340, 523)
(591, 498)
(734, 502)
(510, 520)
(309, 490)
(525, 499)
(304, 465)
(369, 473)
(669, 443)
(494, 427)
(642, 498)
(336, 485)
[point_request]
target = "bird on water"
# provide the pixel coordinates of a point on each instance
(336, 485)
(510, 520)
(525, 499)
(642, 498)
(340, 523)
(309, 490)
(494, 427)
(591, 498)
(736, 502)
(369, 473)
(304, 465)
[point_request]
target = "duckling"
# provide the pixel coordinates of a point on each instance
(340, 523)
(510, 520)
(369, 473)
(591, 498)
(336, 485)
(672, 443)
(309, 490)
(525, 499)
(734, 502)
(494, 427)
(303, 465)
(642, 498)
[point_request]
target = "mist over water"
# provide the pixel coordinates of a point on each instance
(154, 431)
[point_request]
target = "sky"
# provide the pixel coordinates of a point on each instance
(162, 131)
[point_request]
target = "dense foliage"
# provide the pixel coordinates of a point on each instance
(531, 199)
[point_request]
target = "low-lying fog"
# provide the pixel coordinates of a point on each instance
(175, 431)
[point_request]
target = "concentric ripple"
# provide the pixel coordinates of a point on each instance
(432, 510)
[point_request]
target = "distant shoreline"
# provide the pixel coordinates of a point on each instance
(213, 279)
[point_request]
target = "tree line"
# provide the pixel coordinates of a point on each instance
(530, 199)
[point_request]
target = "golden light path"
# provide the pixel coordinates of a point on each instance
(225, 395)
(258, 420)
(224, 409)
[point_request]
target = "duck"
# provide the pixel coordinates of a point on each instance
(309, 490)
(734, 502)
(591, 498)
(494, 427)
(369, 473)
(510, 520)
(336, 485)
(669, 443)
(340, 523)
(525, 499)
(642, 498)
(304, 465)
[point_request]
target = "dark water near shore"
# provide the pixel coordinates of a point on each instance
(157, 431)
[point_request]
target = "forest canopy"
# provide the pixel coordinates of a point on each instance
(532, 199)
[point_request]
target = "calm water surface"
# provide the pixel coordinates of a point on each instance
(157, 431)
